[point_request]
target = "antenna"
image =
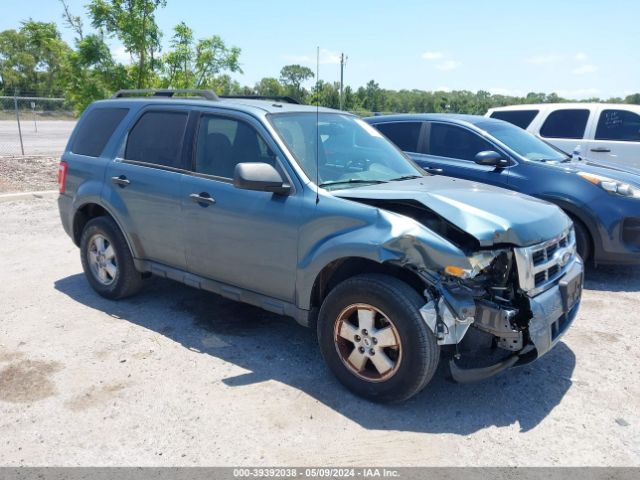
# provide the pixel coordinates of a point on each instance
(317, 125)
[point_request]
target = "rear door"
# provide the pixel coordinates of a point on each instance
(616, 136)
(244, 238)
(143, 184)
(453, 148)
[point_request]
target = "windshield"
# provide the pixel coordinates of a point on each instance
(522, 142)
(351, 153)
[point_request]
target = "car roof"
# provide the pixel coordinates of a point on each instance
(246, 105)
(461, 119)
(583, 105)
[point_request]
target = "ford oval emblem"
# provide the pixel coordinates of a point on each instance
(564, 259)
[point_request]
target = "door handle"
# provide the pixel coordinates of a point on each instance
(202, 198)
(122, 181)
(432, 170)
(601, 150)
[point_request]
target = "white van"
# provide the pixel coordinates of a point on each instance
(603, 131)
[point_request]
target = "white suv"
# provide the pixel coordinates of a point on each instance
(603, 131)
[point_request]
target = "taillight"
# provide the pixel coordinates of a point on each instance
(62, 175)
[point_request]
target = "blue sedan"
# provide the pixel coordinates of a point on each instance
(602, 199)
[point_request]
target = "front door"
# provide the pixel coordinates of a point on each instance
(453, 148)
(243, 238)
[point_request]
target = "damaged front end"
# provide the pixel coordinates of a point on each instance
(503, 283)
(489, 318)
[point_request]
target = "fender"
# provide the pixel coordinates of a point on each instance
(398, 239)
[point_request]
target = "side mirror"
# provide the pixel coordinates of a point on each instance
(261, 177)
(492, 159)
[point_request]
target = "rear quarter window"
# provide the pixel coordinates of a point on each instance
(95, 130)
(519, 118)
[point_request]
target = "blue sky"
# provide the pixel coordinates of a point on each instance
(575, 48)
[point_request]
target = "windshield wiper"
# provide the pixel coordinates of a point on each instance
(351, 180)
(405, 177)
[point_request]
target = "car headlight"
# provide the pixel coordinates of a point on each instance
(479, 261)
(610, 185)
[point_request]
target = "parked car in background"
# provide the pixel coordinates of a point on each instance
(313, 214)
(603, 201)
(604, 132)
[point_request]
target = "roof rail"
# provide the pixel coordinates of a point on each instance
(278, 98)
(160, 92)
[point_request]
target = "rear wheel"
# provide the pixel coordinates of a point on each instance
(374, 339)
(107, 261)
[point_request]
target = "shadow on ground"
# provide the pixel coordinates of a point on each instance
(612, 278)
(276, 348)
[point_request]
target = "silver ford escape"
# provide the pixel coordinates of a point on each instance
(312, 214)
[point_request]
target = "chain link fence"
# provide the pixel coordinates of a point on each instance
(33, 126)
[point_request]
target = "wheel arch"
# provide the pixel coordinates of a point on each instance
(89, 211)
(343, 268)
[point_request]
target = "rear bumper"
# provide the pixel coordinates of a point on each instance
(65, 209)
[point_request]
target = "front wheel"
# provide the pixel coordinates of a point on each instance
(374, 340)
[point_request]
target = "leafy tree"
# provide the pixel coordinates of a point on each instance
(634, 98)
(178, 63)
(269, 86)
(292, 77)
(133, 23)
(213, 57)
(32, 59)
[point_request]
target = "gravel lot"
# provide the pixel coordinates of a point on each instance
(28, 174)
(176, 376)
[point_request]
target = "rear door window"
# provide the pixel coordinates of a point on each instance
(96, 129)
(157, 138)
(405, 135)
(520, 118)
(565, 123)
(620, 125)
(452, 141)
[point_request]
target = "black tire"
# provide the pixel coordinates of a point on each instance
(583, 239)
(127, 279)
(420, 352)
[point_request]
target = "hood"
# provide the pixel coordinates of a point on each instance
(614, 171)
(490, 214)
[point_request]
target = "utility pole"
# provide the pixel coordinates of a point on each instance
(343, 61)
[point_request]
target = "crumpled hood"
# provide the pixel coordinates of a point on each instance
(490, 214)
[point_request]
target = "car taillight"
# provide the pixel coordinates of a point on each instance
(62, 175)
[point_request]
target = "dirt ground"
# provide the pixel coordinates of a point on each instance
(176, 376)
(27, 174)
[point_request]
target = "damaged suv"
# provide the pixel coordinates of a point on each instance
(313, 214)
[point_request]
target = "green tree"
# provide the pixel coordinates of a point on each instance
(212, 58)
(198, 64)
(269, 86)
(178, 62)
(292, 77)
(32, 59)
(133, 23)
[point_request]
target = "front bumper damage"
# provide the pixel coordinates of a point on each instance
(454, 318)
